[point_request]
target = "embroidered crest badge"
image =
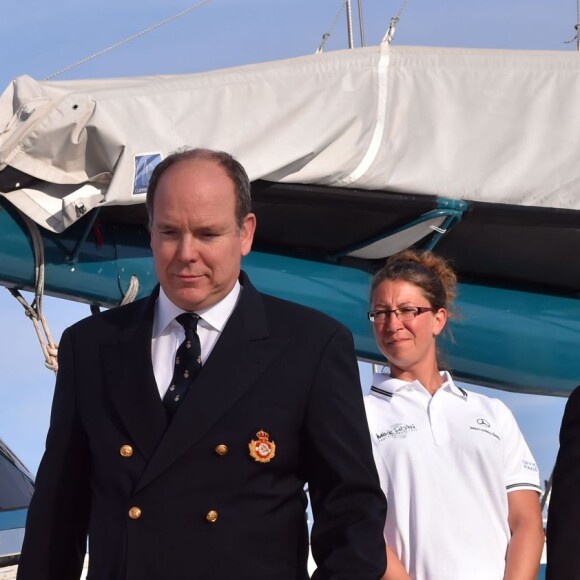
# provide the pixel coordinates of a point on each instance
(263, 450)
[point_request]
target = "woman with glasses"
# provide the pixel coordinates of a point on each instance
(461, 483)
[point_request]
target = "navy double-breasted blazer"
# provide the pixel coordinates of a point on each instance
(563, 537)
(205, 508)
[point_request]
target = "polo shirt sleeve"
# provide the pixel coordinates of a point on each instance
(520, 468)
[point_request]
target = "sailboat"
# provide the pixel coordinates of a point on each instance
(353, 155)
(375, 149)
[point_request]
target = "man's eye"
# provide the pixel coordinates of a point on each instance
(407, 309)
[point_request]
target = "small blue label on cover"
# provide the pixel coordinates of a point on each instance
(144, 166)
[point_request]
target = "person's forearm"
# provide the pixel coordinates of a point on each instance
(523, 555)
(395, 569)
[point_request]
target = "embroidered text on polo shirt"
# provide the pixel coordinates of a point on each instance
(483, 425)
(396, 431)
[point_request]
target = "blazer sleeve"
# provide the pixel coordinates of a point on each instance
(348, 504)
(563, 533)
(56, 526)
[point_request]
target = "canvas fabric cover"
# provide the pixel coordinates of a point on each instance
(484, 125)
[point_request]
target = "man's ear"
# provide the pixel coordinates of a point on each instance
(247, 233)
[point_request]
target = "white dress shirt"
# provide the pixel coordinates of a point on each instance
(168, 334)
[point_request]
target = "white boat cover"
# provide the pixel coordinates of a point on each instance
(484, 125)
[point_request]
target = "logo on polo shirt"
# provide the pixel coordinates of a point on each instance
(484, 426)
(530, 465)
(396, 431)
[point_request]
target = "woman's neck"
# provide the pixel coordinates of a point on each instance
(429, 377)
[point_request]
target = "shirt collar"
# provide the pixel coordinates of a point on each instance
(450, 386)
(214, 317)
(384, 384)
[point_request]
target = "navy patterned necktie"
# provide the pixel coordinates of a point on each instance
(187, 364)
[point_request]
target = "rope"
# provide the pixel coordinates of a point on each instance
(393, 24)
(49, 348)
(132, 292)
(126, 40)
(327, 34)
(34, 310)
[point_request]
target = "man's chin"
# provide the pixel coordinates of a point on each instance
(190, 298)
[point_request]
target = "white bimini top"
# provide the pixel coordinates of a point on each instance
(446, 464)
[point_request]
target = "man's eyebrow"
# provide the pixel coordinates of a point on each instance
(214, 228)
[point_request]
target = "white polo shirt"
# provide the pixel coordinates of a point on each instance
(446, 464)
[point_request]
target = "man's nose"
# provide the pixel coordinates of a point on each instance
(188, 249)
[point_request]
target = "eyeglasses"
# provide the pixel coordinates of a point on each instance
(405, 314)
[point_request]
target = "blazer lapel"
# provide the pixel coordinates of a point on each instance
(244, 349)
(131, 382)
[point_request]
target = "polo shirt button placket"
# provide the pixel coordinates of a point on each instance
(438, 420)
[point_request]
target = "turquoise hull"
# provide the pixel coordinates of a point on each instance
(507, 338)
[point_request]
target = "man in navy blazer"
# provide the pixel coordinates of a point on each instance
(563, 533)
(217, 491)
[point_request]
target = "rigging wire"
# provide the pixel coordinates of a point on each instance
(126, 40)
(361, 23)
(327, 34)
(393, 24)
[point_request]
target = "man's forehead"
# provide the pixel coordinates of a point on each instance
(199, 164)
(202, 173)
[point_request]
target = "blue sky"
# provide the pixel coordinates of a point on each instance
(39, 38)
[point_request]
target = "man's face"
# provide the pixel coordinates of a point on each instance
(196, 242)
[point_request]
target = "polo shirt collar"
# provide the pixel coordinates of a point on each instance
(450, 386)
(385, 385)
